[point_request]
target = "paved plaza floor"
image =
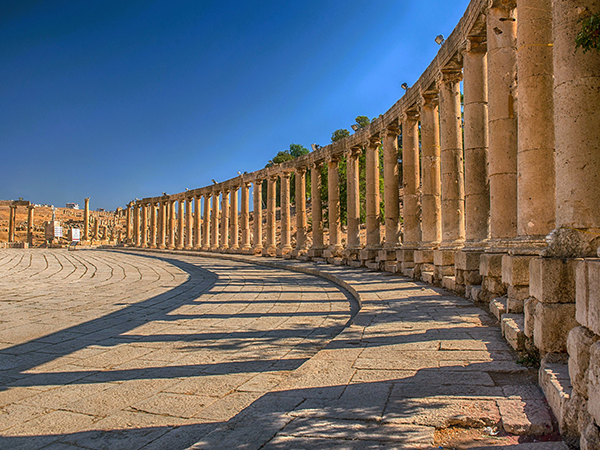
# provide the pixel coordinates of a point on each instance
(147, 350)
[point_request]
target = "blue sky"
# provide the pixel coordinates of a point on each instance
(122, 99)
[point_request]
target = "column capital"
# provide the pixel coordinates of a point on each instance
(429, 99)
(410, 116)
(475, 44)
(374, 140)
(503, 4)
(300, 170)
(392, 130)
(273, 176)
(317, 165)
(354, 152)
(333, 158)
(450, 75)
(286, 173)
(258, 181)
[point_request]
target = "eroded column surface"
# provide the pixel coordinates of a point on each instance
(206, 223)
(271, 245)
(245, 217)
(152, 225)
(286, 236)
(477, 191)
(353, 202)
(144, 225)
(502, 65)
(86, 220)
(431, 225)
(224, 220)
(214, 222)
(411, 179)
(180, 223)
(136, 231)
(300, 199)
(536, 177)
(317, 210)
(197, 223)
(30, 224)
(333, 203)
(12, 219)
(453, 189)
(136, 226)
(257, 198)
(162, 216)
(171, 219)
(390, 188)
(577, 131)
(373, 243)
(234, 244)
(188, 223)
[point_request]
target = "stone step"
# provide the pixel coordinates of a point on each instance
(513, 326)
(498, 307)
(409, 272)
(556, 384)
(449, 283)
(428, 277)
(391, 266)
(373, 265)
(355, 263)
(556, 445)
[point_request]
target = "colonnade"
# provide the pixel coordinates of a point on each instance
(499, 189)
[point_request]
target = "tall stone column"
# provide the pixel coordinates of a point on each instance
(12, 219)
(214, 239)
(206, 223)
(257, 198)
(162, 237)
(391, 194)
(411, 180)
(30, 224)
(285, 246)
(353, 203)
(224, 220)
(333, 202)
(271, 247)
(136, 226)
(197, 224)
(233, 221)
(144, 226)
(245, 217)
(477, 190)
(152, 225)
(171, 207)
(188, 223)
(180, 224)
(502, 65)
(97, 227)
(301, 238)
(372, 199)
(317, 211)
(86, 220)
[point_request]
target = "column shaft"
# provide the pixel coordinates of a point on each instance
(86, 220)
(224, 220)
(181, 223)
(233, 221)
(411, 179)
(353, 198)
(197, 224)
(372, 194)
(171, 207)
(144, 226)
(136, 226)
(206, 223)
(477, 189)
(245, 216)
(152, 225)
(30, 224)
(162, 237)
(390, 188)
(452, 163)
(257, 198)
(271, 220)
(286, 236)
(317, 208)
(333, 203)
(301, 242)
(214, 240)
(12, 218)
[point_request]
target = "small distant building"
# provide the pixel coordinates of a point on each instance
(72, 206)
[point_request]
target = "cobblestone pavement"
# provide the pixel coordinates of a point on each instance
(115, 350)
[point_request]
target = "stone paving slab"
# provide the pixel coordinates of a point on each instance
(232, 351)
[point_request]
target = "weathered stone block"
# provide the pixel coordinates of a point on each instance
(529, 313)
(554, 381)
(473, 277)
(512, 329)
(594, 382)
(515, 270)
(579, 341)
(428, 277)
(552, 280)
(405, 255)
(423, 256)
(582, 292)
(593, 295)
(443, 257)
(514, 305)
(590, 438)
(494, 285)
(474, 293)
(467, 260)
(490, 264)
(553, 321)
(498, 307)
(449, 283)
(517, 292)
(459, 276)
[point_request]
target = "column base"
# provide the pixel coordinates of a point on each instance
(282, 251)
(315, 252)
(443, 260)
(298, 252)
(269, 251)
(334, 251)
(466, 270)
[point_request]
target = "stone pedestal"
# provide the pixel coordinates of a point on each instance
(490, 269)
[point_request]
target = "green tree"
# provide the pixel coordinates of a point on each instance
(297, 150)
(340, 134)
(589, 36)
(362, 121)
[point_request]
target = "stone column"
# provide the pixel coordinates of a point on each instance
(162, 220)
(180, 224)
(317, 211)
(301, 238)
(197, 224)
(206, 223)
(30, 224)
(233, 221)
(411, 180)
(136, 226)
(271, 248)
(86, 220)
(137, 232)
(372, 199)
(188, 223)
(245, 217)
(502, 65)
(214, 240)
(12, 219)
(333, 202)
(391, 194)
(477, 191)
(171, 207)
(285, 246)
(224, 220)
(257, 198)
(152, 225)
(144, 226)
(353, 203)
